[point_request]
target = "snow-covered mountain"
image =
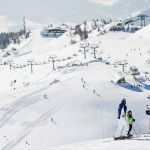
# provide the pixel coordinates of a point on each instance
(42, 108)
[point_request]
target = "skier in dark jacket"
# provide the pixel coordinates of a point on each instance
(123, 106)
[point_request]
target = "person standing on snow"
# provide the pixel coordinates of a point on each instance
(13, 84)
(130, 121)
(123, 106)
(122, 124)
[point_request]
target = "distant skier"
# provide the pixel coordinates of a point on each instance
(13, 84)
(130, 121)
(123, 106)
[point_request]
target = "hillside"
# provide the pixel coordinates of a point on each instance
(45, 108)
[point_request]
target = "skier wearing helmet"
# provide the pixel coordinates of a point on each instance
(130, 121)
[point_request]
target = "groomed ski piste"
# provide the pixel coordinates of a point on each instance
(75, 106)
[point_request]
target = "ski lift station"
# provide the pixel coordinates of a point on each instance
(52, 32)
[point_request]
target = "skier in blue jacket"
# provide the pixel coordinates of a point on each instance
(123, 106)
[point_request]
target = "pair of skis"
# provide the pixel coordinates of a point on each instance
(131, 137)
(123, 137)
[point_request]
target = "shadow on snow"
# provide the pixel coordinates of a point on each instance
(146, 86)
(131, 87)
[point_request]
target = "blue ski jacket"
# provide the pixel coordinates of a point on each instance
(123, 106)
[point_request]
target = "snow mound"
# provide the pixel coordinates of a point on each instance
(110, 25)
(143, 33)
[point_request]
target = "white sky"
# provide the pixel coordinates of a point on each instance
(105, 2)
(70, 10)
(51, 9)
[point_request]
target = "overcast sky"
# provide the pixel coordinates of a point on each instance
(50, 9)
(69, 10)
(105, 2)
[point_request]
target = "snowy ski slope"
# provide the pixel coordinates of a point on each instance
(49, 108)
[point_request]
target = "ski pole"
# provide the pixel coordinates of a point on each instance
(134, 131)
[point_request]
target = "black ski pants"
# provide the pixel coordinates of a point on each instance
(130, 128)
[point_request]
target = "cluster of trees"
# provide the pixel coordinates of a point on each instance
(82, 33)
(82, 29)
(12, 37)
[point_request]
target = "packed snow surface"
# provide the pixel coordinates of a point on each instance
(42, 108)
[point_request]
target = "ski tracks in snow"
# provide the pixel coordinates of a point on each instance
(19, 104)
(23, 103)
(11, 144)
(86, 86)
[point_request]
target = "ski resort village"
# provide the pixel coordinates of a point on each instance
(76, 84)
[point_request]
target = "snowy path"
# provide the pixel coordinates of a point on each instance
(108, 144)
(37, 42)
